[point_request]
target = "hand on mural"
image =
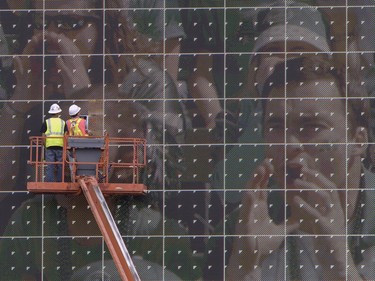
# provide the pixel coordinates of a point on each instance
(258, 233)
(69, 62)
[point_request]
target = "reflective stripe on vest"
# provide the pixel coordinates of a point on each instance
(55, 132)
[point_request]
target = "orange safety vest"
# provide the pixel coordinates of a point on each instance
(74, 128)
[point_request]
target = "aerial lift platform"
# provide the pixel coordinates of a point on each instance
(86, 161)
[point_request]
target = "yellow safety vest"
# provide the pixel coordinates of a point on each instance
(55, 132)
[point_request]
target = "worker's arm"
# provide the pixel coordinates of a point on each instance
(83, 127)
(43, 130)
(44, 140)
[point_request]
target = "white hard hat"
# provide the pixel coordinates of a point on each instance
(74, 109)
(54, 109)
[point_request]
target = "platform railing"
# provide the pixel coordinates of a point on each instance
(117, 156)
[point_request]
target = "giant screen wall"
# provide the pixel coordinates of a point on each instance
(258, 117)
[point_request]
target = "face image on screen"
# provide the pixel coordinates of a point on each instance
(258, 123)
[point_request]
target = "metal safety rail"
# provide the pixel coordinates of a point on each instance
(131, 163)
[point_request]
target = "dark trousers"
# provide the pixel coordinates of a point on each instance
(54, 155)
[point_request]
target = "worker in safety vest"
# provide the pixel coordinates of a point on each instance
(76, 125)
(53, 129)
